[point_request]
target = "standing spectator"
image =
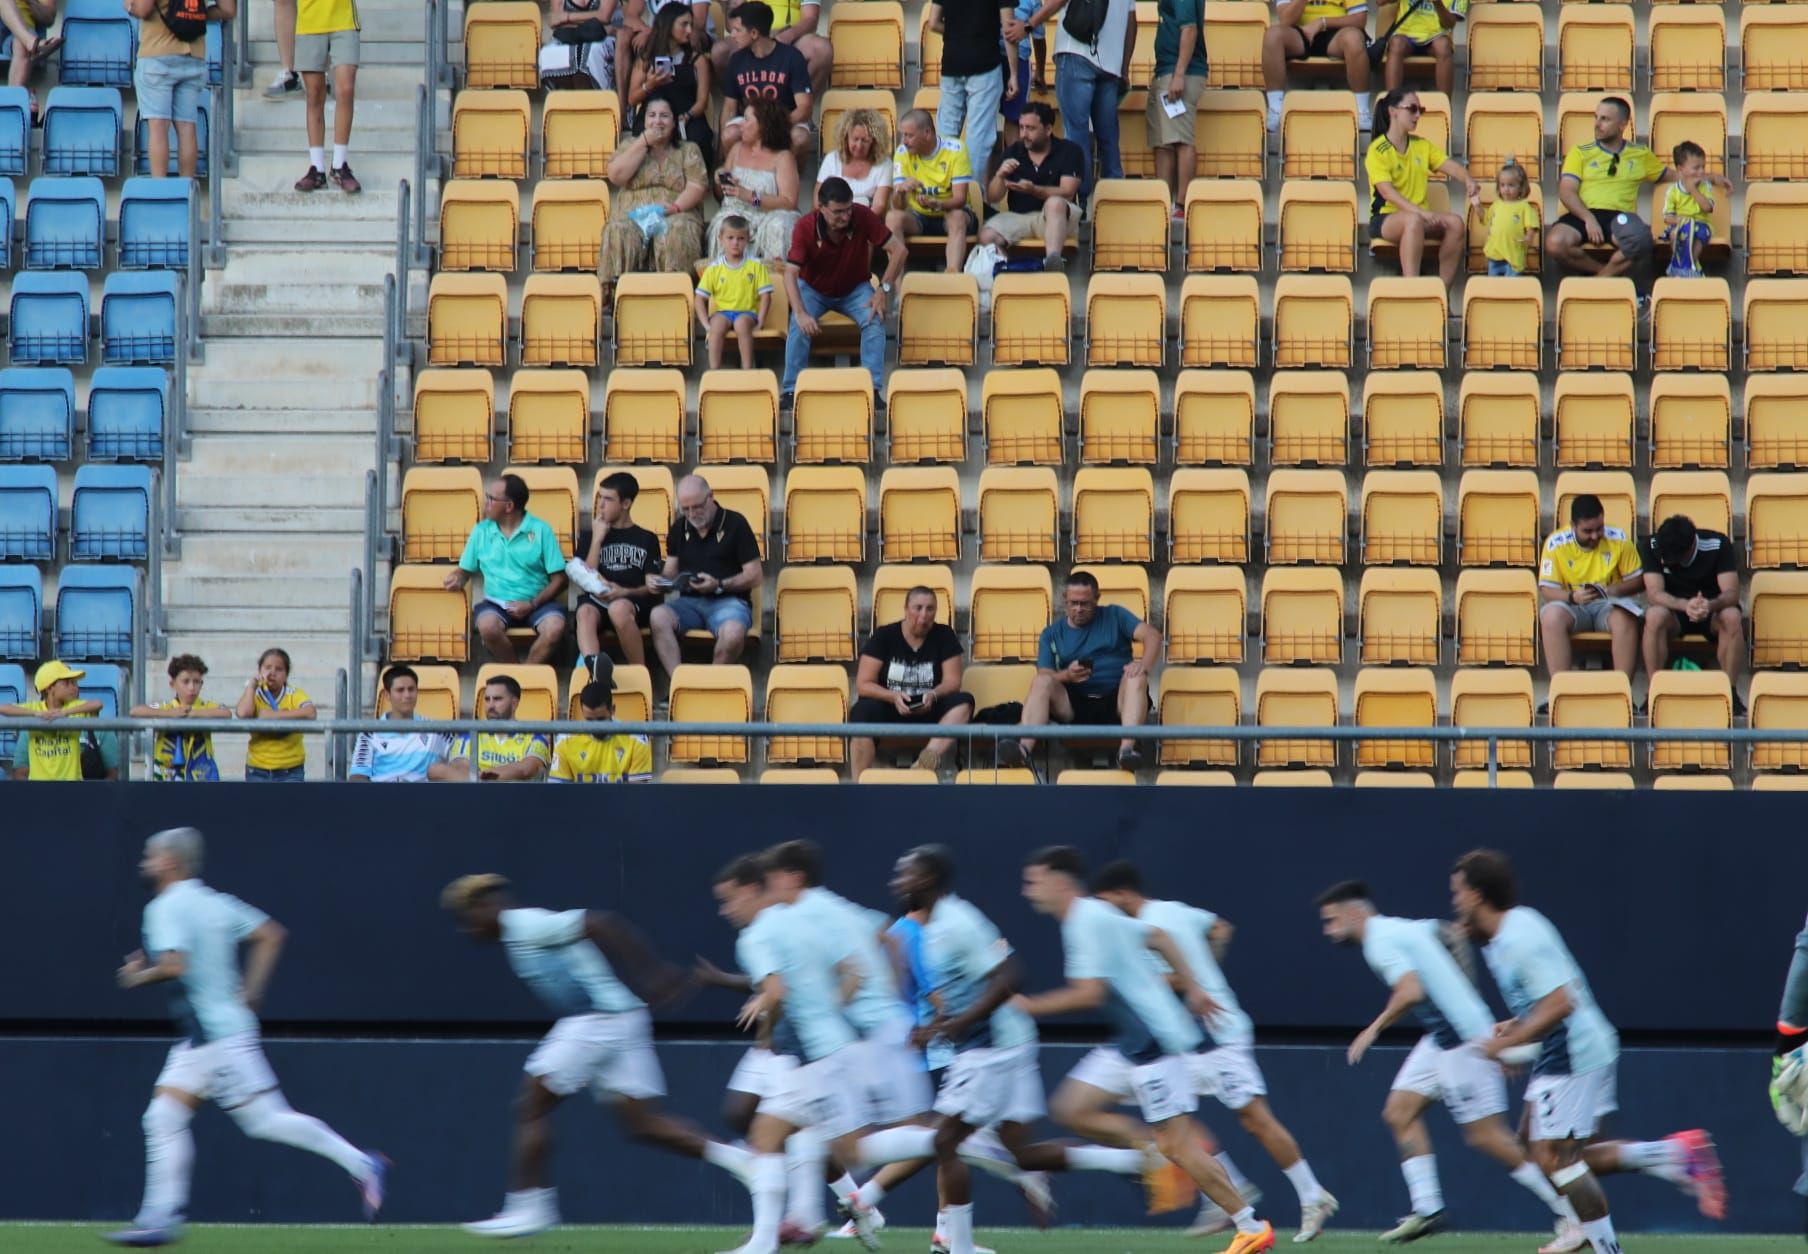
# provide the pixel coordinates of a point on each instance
(275, 757)
(1180, 78)
(402, 757)
(523, 573)
(326, 33)
(1025, 68)
(1087, 672)
(656, 214)
(53, 755)
(1426, 26)
(761, 185)
(763, 68)
(286, 84)
(614, 575)
(589, 758)
(1092, 68)
(972, 85)
(713, 562)
(931, 181)
(1317, 28)
(1038, 182)
(862, 158)
(1687, 206)
(669, 68)
(831, 268)
(910, 672)
(1512, 223)
(793, 24)
(1692, 587)
(1588, 581)
(170, 77)
(176, 755)
(1399, 165)
(29, 23)
(502, 755)
(741, 289)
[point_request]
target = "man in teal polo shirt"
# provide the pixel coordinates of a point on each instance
(523, 573)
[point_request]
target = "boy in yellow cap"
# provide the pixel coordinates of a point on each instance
(52, 755)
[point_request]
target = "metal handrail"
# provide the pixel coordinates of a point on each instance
(365, 628)
(355, 657)
(336, 755)
(217, 173)
(401, 350)
(191, 294)
(228, 103)
(426, 137)
(163, 541)
(241, 35)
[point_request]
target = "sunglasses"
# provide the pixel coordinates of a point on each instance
(1411, 108)
(1613, 166)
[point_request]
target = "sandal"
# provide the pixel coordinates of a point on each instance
(46, 45)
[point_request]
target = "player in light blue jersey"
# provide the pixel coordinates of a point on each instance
(192, 936)
(1572, 1083)
(602, 1041)
(1413, 959)
(1788, 1079)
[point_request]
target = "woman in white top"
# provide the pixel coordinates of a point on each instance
(761, 185)
(861, 142)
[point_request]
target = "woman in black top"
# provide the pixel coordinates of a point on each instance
(910, 671)
(685, 86)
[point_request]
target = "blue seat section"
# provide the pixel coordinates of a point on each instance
(49, 319)
(15, 130)
(126, 407)
(12, 692)
(154, 221)
(100, 44)
(65, 224)
(28, 512)
(81, 131)
(37, 413)
(21, 611)
(94, 610)
(141, 161)
(103, 682)
(138, 317)
(110, 514)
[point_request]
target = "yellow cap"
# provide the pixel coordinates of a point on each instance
(50, 672)
(462, 891)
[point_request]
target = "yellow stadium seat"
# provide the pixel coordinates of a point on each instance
(711, 693)
(1773, 49)
(802, 774)
(1498, 419)
(1478, 229)
(1220, 320)
(868, 43)
(1197, 779)
(1205, 614)
(938, 319)
(825, 514)
(1402, 518)
(1779, 702)
(643, 415)
(1291, 779)
(539, 689)
(502, 44)
(1776, 324)
(897, 775)
(1296, 697)
(467, 319)
(1208, 515)
(1108, 778)
(929, 46)
(552, 497)
(1023, 416)
(1434, 122)
(1395, 779)
(1302, 615)
(1687, 48)
(1506, 48)
(1016, 775)
(919, 514)
(1233, 42)
(438, 687)
(1230, 133)
(1123, 585)
(1400, 615)
(1491, 697)
(1394, 697)
(802, 693)
(837, 102)
(653, 319)
(1200, 696)
(1214, 416)
(454, 415)
(1691, 324)
(1618, 781)
(1137, 157)
(816, 607)
(1590, 699)
(1615, 489)
(1142, 52)
(832, 417)
(1773, 431)
(1776, 228)
(440, 506)
(1770, 783)
(478, 224)
(1318, 226)
(996, 684)
(1497, 518)
(1691, 420)
(1779, 619)
(1306, 514)
(633, 693)
(1010, 607)
(489, 134)
(926, 415)
(1593, 418)
(1695, 115)
(1120, 416)
(568, 221)
(1314, 321)
(1503, 324)
(425, 620)
(1576, 120)
(561, 318)
(1698, 701)
(579, 131)
(1403, 418)
(549, 415)
(737, 416)
(1130, 223)
(1498, 125)
(1776, 520)
(748, 491)
(1502, 779)
(1597, 324)
(1318, 135)
(1019, 514)
(700, 775)
(1496, 617)
(891, 584)
(1113, 515)
(1595, 47)
(1772, 130)
(1224, 221)
(1704, 496)
(1031, 314)
(654, 506)
(1693, 783)
(1406, 320)
(1126, 319)
(1308, 418)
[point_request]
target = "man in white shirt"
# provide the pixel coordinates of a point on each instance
(403, 757)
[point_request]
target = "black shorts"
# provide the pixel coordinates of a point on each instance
(1317, 46)
(1603, 217)
(867, 710)
(1681, 626)
(643, 610)
(1094, 710)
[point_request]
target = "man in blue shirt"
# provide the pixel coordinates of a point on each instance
(523, 573)
(1087, 672)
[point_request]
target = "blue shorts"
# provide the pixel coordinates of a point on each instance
(737, 315)
(169, 88)
(552, 609)
(710, 614)
(1012, 106)
(283, 775)
(1501, 269)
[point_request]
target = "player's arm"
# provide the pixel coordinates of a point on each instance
(1006, 979)
(1406, 993)
(765, 1003)
(710, 975)
(1655, 594)
(1073, 996)
(1553, 1008)
(1729, 592)
(265, 944)
(1218, 937)
(649, 975)
(136, 972)
(1185, 983)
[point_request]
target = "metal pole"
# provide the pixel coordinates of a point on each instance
(425, 105)
(385, 454)
(192, 295)
(443, 43)
(216, 198)
(356, 634)
(1493, 762)
(229, 106)
(335, 745)
(241, 34)
(402, 349)
(373, 537)
(390, 304)
(180, 397)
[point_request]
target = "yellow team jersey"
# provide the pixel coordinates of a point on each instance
(54, 755)
(938, 173)
(1508, 222)
(498, 749)
(180, 755)
(1611, 181)
(323, 17)
(1422, 24)
(1316, 9)
(1568, 565)
(1682, 206)
(1409, 171)
(602, 760)
(736, 289)
(278, 751)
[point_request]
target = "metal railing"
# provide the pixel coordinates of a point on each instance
(191, 318)
(162, 542)
(229, 69)
(376, 544)
(217, 173)
(439, 44)
(241, 35)
(401, 349)
(426, 164)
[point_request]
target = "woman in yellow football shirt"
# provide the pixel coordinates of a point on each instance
(1400, 165)
(274, 757)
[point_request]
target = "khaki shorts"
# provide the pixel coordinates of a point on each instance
(1014, 228)
(1165, 131)
(314, 53)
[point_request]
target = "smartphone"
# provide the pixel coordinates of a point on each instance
(662, 65)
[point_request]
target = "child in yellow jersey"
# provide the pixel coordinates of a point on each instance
(742, 288)
(1687, 204)
(1512, 223)
(48, 755)
(274, 757)
(326, 40)
(176, 754)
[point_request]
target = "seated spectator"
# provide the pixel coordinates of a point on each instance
(1038, 182)
(734, 293)
(502, 755)
(760, 185)
(1091, 75)
(275, 757)
(29, 22)
(713, 563)
(402, 757)
(668, 67)
(1180, 79)
(613, 576)
(830, 267)
(523, 573)
(56, 755)
(1087, 672)
(910, 672)
(754, 65)
(1426, 26)
(1688, 206)
(176, 755)
(1692, 588)
(1400, 165)
(931, 182)
(862, 158)
(1318, 28)
(656, 214)
(1589, 581)
(579, 56)
(169, 78)
(588, 758)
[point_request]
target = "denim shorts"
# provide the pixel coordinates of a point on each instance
(533, 618)
(710, 614)
(284, 775)
(169, 88)
(1501, 269)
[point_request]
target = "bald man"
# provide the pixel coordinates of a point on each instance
(713, 564)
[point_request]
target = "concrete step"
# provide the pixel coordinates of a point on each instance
(316, 458)
(300, 520)
(280, 624)
(280, 489)
(350, 386)
(376, 233)
(315, 422)
(308, 553)
(337, 358)
(292, 325)
(269, 281)
(272, 176)
(257, 592)
(276, 137)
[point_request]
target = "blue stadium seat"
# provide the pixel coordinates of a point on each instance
(9, 215)
(100, 44)
(126, 405)
(15, 130)
(141, 161)
(12, 692)
(216, 54)
(94, 611)
(81, 131)
(65, 224)
(37, 413)
(21, 611)
(103, 682)
(110, 514)
(138, 317)
(28, 512)
(154, 221)
(48, 324)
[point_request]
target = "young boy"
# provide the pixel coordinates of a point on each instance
(742, 288)
(52, 755)
(174, 754)
(1687, 205)
(171, 78)
(326, 33)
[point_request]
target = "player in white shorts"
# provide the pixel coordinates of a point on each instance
(1412, 958)
(192, 936)
(1572, 1083)
(602, 1041)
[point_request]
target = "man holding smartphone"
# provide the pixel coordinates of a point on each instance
(713, 564)
(1038, 182)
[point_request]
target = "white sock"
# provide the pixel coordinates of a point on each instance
(1528, 1175)
(844, 1187)
(870, 1195)
(1274, 101)
(1238, 1180)
(1663, 1159)
(317, 158)
(1123, 1162)
(269, 1118)
(737, 1162)
(896, 1145)
(941, 1225)
(1421, 1172)
(528, 1200)
(1246, 1220)
(957, 1226)
(169, 1158)
(341, 153)
(768, 1201)
(1600, 1235)
(985, 1151)
(803, 1174)
(1310, 1191)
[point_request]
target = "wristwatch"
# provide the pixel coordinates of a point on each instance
(886, 288)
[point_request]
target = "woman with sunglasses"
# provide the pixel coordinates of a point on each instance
(1400, 165)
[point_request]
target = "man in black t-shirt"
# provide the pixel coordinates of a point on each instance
(1039, 184)
(614, 575)
(910, 672)
(713, 564)
(762, 68)
(1692, 586)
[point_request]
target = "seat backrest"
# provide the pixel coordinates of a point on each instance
(37, 413)
(1214, 417)
(110, 512)
(126, 408)
(155, 221)
(926, 415)
(1010, 607)
(94, 612)
(1019, 513)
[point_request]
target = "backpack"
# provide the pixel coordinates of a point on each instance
(1084, 19)
(186, 19)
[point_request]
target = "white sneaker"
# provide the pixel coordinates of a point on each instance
(1211, 1218)
(844, 1233)
(868, 1224)
(584, 577)
(520, 1223)
(1569, 1238)
(1274, 118)
(1313, 1218)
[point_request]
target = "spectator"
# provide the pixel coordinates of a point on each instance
(793, 24)
(932, 183)
(286, 84)
(973, 54)
(910, 672)
(170, 77)
(1087, 673)
(761, 184)
(614, 575)
(326, 33)
(1038, 182)
(830, 267)
(587, 758)
(523, 573)
(1400, 165)
(1687, 206)
(640, 18)
(55, 755)
(860, 158)
(713, 563)
(741, 289)
(275, 757)
(176, 755)
(401, 757)
(1588, 580)
(1318, 28)
(1025, 68)
(667, 67)
(1512, 223)
(29, 23)
(1692, 588)
(502, 755)
(1092, 69)
(580, 53)
(1180, 79)
(1426, 26)
(656, 217)
(764, 68)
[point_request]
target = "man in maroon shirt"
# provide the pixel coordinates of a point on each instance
(831, 268)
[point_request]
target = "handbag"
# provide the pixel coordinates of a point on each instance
(1378, 47)
(588, 31)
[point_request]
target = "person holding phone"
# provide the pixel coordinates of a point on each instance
(713, 564)
(910, 672)
(666, 67)
(1038, 182)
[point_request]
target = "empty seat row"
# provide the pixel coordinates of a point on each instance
(480, 224)
(109, 514)
(66, 224)
(126, 412)
(491, 131)
(49, 318)
(96, 609)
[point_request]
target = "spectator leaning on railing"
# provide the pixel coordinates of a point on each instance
(177, 755)
(56, 755)
(523, 571)
(274, 757)
(402, 757)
